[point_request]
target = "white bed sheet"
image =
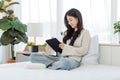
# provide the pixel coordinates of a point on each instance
(17, 71)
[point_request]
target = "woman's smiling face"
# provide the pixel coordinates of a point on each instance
(72, 21)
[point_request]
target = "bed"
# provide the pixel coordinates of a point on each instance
(90, 69)
(18, 71)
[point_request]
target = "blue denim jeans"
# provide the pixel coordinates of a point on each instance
(61, 62)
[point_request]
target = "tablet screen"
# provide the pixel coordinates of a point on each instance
(54, 44)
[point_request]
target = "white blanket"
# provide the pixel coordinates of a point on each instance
(18, 71)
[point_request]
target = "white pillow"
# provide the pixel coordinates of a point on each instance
(30, 65)
(93, 54)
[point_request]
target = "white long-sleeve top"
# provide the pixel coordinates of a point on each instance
(80, 47)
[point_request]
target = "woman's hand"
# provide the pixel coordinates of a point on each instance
(61, 45)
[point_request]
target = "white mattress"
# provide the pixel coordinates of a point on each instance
(17, 71)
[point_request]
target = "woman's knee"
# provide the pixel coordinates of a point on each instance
(34, 57)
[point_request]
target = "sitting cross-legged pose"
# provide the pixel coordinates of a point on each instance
(75, 45)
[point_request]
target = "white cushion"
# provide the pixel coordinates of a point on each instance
(93, 54)
(30, 65)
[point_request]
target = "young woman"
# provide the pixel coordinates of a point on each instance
(74, 46)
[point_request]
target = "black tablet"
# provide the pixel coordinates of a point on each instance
(54, 44)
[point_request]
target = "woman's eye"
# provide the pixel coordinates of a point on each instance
(69, 20)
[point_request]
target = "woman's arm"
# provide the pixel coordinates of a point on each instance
(78, 51)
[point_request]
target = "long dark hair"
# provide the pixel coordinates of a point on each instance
(70, 33)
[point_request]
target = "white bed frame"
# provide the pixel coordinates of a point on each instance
(109, 54)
